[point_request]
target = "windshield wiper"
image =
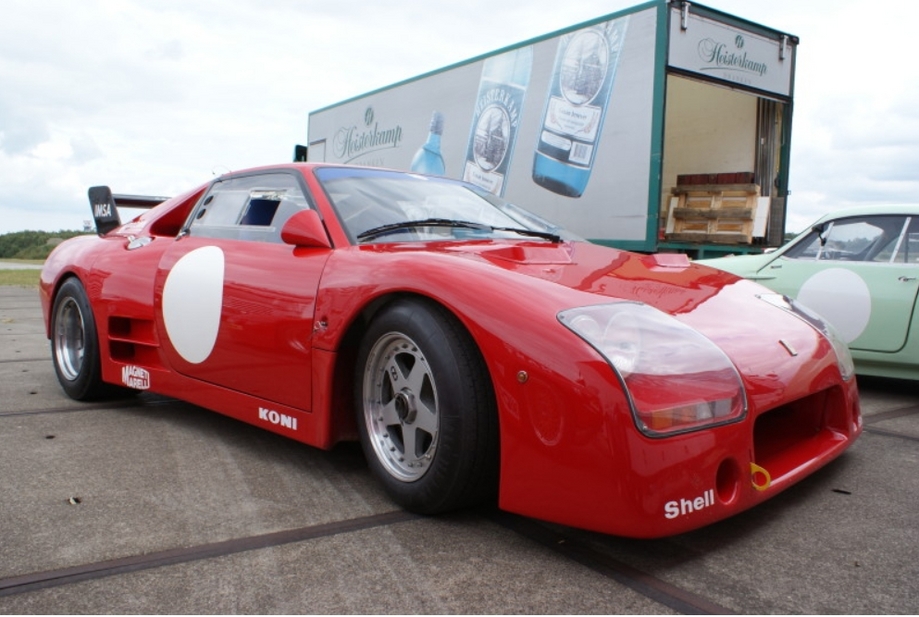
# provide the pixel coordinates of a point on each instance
(382, 230)
(547, 235)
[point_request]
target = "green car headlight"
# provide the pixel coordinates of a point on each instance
(676, 379)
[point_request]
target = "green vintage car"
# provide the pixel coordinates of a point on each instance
(859, 269)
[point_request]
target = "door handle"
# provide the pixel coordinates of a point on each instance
(906, 279)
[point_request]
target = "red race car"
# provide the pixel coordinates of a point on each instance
(476, 351)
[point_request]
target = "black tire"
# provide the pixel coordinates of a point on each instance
(75, 344)
(426, 409)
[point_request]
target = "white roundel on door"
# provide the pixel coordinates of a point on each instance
(192, 300)
(842, 298)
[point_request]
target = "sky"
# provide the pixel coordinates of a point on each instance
(159, 96)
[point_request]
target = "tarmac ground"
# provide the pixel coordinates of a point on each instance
(151, 505)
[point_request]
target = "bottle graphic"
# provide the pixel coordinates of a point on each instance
(428, 159)
(585, 69)
(496, 119)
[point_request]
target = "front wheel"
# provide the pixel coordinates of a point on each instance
(425, 409)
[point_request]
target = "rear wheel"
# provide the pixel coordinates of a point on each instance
(425, 409)
(75, 344)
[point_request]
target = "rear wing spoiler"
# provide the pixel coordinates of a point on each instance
(105, 206)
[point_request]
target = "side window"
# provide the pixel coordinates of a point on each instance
(908, 250)
(251, 208)
(221, 207)
(872, 238)
(808, 248)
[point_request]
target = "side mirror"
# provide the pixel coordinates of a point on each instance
(820, 229)
(305, 229)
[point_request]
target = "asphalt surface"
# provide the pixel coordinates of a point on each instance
(149, 505)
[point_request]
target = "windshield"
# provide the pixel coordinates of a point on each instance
(391, 206)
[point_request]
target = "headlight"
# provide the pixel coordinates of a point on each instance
(676, 379)
(843, 355)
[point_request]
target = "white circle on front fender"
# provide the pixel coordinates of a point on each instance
(842, 298)
(192, 302)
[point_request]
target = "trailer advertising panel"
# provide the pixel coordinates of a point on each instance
(573, 125)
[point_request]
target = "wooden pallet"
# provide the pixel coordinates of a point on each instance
(716, 213)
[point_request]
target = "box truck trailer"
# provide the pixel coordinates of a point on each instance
(665, 127)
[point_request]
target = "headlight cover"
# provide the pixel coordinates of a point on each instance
(676, 379)
(843, 355)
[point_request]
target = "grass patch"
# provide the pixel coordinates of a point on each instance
(20, 278)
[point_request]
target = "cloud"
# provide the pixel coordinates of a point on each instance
(152, 97)
(20, 132)
(84, 149)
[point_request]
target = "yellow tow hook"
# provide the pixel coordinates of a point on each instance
(759, 477)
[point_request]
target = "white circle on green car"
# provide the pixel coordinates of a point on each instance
(842, 298)
(192, 302)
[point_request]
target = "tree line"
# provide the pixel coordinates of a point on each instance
(32, 244)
